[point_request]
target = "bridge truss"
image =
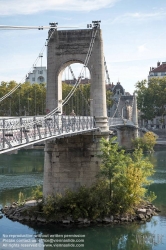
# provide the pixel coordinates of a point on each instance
(16, 133)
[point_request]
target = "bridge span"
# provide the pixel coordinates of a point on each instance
(72, 144)
(19, 132)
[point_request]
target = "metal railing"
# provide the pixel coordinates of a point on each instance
(20, 132)
(119, 122)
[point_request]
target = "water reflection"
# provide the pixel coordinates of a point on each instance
(119, 237)
(21, 172)
(26, 161)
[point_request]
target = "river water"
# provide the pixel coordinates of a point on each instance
(23, 171)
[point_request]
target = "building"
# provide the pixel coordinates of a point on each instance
(73, 81)
(38, 75)
(158, 122)
(122, 106)
(159, 71)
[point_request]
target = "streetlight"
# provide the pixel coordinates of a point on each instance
(10, 111)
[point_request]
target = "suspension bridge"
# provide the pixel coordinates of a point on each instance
(71, 142)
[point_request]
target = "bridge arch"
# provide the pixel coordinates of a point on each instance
(63, 77)
(70, 46)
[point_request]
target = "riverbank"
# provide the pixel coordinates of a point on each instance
(29, 214)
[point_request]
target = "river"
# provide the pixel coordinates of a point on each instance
(23, 171)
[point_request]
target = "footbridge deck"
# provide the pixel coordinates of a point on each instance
(119, 122)
(16, 133)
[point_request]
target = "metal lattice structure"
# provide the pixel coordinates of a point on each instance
(16, 133)
(116, 122)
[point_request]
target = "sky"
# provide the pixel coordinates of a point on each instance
(134, 34)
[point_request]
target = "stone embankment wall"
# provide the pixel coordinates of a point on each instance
(25, 215)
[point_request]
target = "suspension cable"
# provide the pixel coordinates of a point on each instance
(52, 25)
(106, 70)
(35, 62)
(94, 33)
(116, 107)
(79, 88)
(85, 64)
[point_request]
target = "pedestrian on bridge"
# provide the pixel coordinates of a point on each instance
(72, 113)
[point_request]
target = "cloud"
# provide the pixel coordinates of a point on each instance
(140, 16)
(10, 7)
(142, 48)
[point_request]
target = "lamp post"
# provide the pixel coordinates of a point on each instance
(10, 111)
(91, 107)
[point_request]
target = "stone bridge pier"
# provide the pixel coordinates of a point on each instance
(72, 161)
(125, 135)
(129, 131)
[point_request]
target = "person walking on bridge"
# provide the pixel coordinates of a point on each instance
(72, 113)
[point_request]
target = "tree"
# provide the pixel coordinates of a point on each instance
(113, 161)
(30, 99)
(126, 175)
(151, 97)
(146, 143)
(109, 98)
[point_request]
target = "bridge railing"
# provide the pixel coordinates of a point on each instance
(23, 131)
(119, 122)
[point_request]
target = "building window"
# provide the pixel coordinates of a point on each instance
(40, 72)
(33, 79)
(155, 74)
(40, 79)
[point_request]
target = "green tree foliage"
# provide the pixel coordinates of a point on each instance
(88, 202)
(21, 199)
(30, 99)
(121, 186)
(109, 99)
(126, 175)
(80, 100)
(37, 193)
(146, 143)
(151, 97)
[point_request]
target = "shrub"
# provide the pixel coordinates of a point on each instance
(146, 143)
(87, 202)
(37, 193)
(126, 175)
(120, 186)
(21, 198)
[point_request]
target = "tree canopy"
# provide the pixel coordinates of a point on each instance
(151, 97)
(126, 175)
(30, 99)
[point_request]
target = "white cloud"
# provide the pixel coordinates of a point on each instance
(142, 48)
(10, 7)
(145, 15)
(140, 16)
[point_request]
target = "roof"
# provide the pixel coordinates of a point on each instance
(160, 68)
(110, 86)
(118, 86)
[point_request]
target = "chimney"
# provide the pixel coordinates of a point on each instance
(158, 64)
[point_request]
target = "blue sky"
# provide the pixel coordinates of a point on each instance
(133, 32)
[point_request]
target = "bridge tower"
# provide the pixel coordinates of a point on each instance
(71, 162)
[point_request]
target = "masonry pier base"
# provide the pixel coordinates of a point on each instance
(125, 135)
(71, 162)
